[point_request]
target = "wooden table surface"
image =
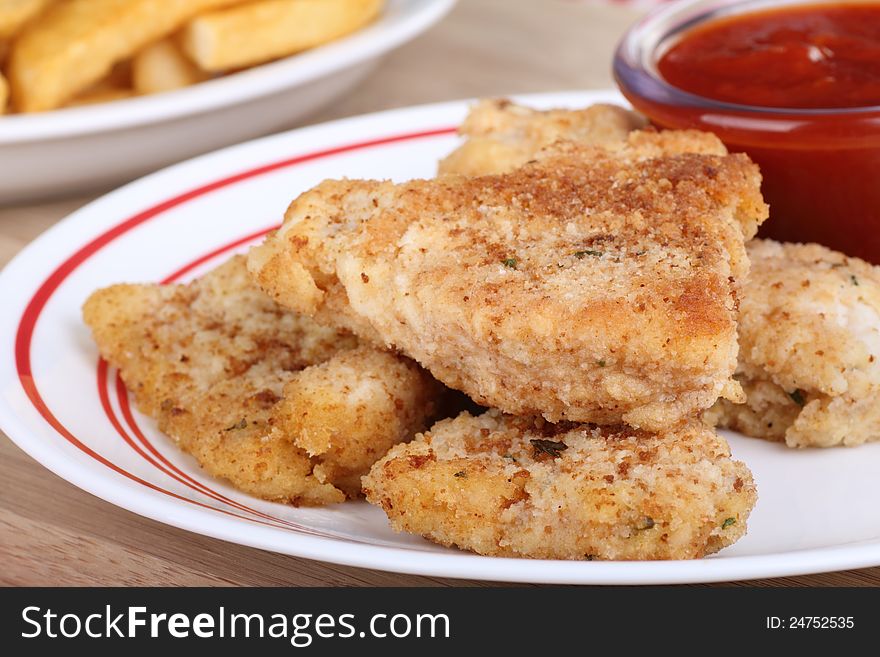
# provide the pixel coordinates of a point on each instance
(52, 533)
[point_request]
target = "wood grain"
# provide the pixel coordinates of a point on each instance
(52, 533)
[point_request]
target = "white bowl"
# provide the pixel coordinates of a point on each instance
(65, 151)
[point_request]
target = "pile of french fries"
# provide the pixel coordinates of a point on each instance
(63, 53)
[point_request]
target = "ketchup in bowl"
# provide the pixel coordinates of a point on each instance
(796, 86)
(804, 56)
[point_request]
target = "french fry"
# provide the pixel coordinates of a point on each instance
(115, 86)
(163, 67)
(268, 29)
(4, 93)
(119, 76)
(76, 43)
(14, 14)
(100, 94)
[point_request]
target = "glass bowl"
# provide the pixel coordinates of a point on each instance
(820, 166)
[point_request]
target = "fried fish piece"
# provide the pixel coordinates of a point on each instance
(502, 135)
(226, 373)
(798, 297)
(517, 487)
(347, 412)
(589, 285)
(809, 360)
(77, 42)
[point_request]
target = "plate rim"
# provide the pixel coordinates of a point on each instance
(400, 559)
(387, 33)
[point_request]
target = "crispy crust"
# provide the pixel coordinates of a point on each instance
(348, 411)
(225, 372)
(810, 348)
(502, 135)
(494, 284)
(489, 484)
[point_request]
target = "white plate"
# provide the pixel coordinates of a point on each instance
(56, 153)
(817, 509)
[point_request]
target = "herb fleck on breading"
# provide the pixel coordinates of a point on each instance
(552, 448)
(580, 255)
(645, 523)
(461, 474)
(855, 281)
(728, 522)
(798, 397)
(509, 262)
(241, 424)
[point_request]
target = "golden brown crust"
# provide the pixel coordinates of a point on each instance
(809, 335)
(502, 135)
(347, 412)
(220, 366)
(520, 487)
(589, 285)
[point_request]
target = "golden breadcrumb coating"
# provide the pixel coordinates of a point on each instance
(502, 135)
(592, 284)
(526, 132)
(809, 358)
(221, 367)
(516, 487)
(348, 411)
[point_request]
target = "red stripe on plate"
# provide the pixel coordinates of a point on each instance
(105, 403)
(36, 305)
(164, 464)
(155, 458)
(171, 278)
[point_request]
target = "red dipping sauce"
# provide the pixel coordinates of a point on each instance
(797, 87)
(806, 57)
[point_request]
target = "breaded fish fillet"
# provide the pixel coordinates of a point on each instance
(591, 284)
(348, 411)
(503, 135)
(809, 359)
(226, 373)
(515, 487)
